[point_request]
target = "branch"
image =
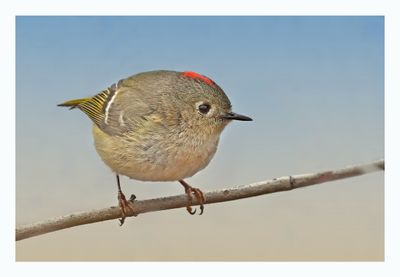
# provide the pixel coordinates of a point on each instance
(179, 201)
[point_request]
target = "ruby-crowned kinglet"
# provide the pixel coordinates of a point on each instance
(158, 126)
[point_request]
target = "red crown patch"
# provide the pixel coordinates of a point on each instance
(198, 76)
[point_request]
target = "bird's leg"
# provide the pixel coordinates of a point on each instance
(123, 203)
(197, 193)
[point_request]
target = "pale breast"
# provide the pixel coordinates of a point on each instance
(155, 158)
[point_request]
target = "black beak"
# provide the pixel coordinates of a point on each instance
(235, 116)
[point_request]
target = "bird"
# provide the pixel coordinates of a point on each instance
(159, 125)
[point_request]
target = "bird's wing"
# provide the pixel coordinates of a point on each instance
(119, 109)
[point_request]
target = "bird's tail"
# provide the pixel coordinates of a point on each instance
(72, 104)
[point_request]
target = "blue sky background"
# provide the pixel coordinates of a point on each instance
(313, 85)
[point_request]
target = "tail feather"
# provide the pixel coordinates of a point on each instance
(72, 104)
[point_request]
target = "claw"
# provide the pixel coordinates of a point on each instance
(124, 210)
(201, 209)
(190, 191)
(124, 205)
(189, 209)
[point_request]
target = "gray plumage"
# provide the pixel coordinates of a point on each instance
(150, 126)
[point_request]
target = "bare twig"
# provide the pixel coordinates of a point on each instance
(173, 202)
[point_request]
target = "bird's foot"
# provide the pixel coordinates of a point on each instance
(125, 205)
(191, 191)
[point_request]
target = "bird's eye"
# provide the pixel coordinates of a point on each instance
(204, 108)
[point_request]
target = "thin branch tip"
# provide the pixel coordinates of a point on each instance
(179, 201)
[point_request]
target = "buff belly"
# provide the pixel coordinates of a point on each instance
(153, 159)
